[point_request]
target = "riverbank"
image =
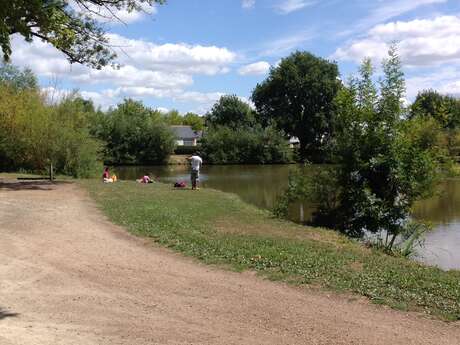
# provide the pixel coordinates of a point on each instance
(218, 228)
(69, 276)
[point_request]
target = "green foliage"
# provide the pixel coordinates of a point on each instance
(34, 134)
(14, 77)
(77, 153)
(428, 135)
(70, 28)
(316, 185)
(256, 145)
(194, 120)
(174, 118)
(383, 163)
(298, 96)
(444, 109)
(136, 135)
(231, 112)
(218, 228)
(392, 89)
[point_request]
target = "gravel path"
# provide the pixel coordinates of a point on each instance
(68, 276)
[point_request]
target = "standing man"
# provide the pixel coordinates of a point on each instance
(195, 162)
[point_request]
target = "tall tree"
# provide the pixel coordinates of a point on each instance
(392, 87)
(173, 117)
(194, 120)
(382, 166)
(444, 109)
(366, 91)
(230, 111)
(298, 95)
(70, 26)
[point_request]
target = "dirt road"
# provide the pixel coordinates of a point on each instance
(68, 276)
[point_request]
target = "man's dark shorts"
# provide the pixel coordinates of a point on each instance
(195, 175)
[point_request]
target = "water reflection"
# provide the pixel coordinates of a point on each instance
(255, 184)
(442, 245)
(262, 185)
(444, 207)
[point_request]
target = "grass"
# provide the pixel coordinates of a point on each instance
(219, 228)
(15, 175)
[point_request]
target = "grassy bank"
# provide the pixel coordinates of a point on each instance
(219, 228)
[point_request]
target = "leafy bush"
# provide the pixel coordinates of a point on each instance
(34, 134)
(135, 135)
(224, 145)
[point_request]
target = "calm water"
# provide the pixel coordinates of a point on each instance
(262, 185)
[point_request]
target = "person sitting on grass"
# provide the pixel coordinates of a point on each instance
(106, 176)
(195, 163)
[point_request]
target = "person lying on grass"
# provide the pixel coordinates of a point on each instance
(145, 179)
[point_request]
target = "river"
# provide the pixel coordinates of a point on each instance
(261, 185)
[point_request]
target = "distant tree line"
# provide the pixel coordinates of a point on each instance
(73, 135)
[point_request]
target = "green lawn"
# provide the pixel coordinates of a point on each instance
(219, 228)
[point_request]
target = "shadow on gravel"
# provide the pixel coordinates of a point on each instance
(29, 185)
(4, 314)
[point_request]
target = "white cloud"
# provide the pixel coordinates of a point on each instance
(199, 97)
(288, 6)
(443, 79)
(112, 96)
(172, 61)
(42, 58)
(421, 42)
(248, 3)
(256, 68)
(132, 76)
(181, 57)
(148, 69)
(452, 88)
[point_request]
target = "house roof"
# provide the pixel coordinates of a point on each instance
(185, 132)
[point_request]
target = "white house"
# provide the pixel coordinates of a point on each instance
(186, 136)
(294, 142)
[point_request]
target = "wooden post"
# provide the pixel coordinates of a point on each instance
(51, 172)
(302, 216)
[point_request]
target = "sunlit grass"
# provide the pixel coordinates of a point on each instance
(219, 228)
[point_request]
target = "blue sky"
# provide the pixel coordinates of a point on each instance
(184, 55)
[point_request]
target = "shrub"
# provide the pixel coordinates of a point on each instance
(257, 145)
(34, 134)
(136, 135)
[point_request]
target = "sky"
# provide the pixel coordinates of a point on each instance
(186, 54)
